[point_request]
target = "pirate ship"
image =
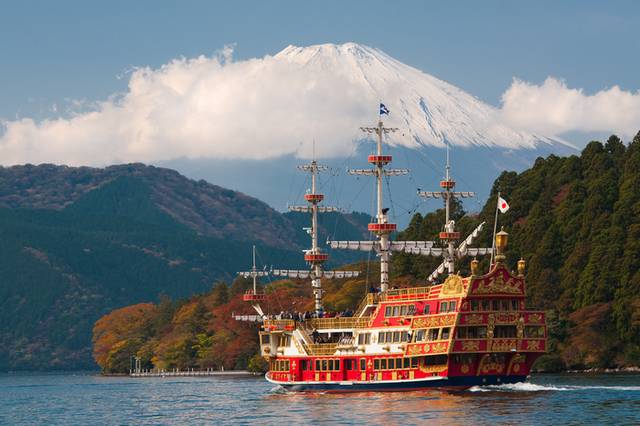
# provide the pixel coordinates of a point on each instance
(465, 331)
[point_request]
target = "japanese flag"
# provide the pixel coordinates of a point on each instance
(503, 206)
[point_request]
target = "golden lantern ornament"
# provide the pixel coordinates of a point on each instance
(474, 266)
(521, 267)
(501, 244)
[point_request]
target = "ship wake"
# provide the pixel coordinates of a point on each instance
(533, 387)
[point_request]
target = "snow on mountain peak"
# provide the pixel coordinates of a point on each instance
(428, 110)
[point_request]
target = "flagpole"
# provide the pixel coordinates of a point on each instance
(495, 228)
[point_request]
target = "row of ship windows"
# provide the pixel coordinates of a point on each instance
(406, 363)
(495, 305)
(279, 365)
(410, 309)
(450, 306)
(378, 364)
(431, 334)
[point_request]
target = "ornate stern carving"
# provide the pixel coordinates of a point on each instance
(453, 285)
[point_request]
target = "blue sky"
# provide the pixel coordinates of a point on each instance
(52, 51)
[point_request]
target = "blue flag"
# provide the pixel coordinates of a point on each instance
(384, 109)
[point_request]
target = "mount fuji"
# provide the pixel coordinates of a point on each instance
(429, 112)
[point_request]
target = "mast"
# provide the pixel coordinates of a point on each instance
(449, 235)
(253, 271)
(382, 228)
(315, 257)
(254, 296)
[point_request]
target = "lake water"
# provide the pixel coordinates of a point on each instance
(68, 399)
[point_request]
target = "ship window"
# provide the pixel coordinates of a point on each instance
(337, 364)
(404, 336)
(435, 360)
(396, 336)
(433, 334)
(445, 333)
(486, 305)
(514, 304)
(317, 365)
(496, 305)
(285, 340)
(364, 338)
(414, 362)
(383, 364)
(471, 332)
(475, 305)
(387, 311)
(425, 311)
(505, 331)
(406, 362)
(325, 365)
(420, 335)
(348, 364)
(533, 331)
(376, 364)
(504, 305)
(363, 364)
(444, 306)
(411, 310)
(266, 339)
(396, 311)
(452, 306)
(304, 365)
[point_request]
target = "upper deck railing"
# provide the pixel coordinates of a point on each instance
(337, 323)
(400, 294)
(317, 323)
(323, 349)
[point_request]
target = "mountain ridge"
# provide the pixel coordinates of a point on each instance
(106, 240)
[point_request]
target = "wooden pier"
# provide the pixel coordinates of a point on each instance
(190, 373)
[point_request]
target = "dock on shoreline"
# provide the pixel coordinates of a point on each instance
(191, 373)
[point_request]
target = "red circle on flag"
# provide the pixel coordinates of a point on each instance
(504, 205)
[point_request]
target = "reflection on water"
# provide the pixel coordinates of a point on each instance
(89, 399)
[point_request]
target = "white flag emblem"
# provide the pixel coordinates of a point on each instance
(503, 206)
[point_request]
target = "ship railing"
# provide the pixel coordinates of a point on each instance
(323, 348)
(405, 294)
(279, 324)
(337, 323)
(305, 340)
(369, 299)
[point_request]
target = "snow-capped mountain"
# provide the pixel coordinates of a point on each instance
(429, 111)
(344, 84)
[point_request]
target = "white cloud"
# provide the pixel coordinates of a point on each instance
(202, 107)
(553, 108)
(277, 105)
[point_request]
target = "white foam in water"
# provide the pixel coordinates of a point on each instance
(532, 387)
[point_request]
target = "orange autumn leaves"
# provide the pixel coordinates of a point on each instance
(200, 332)
(117, 334)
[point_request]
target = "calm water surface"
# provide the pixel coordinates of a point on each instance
(69, 399)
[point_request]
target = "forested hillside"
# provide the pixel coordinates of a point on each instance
(199, 332)
(76, 243)
(576, 221)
